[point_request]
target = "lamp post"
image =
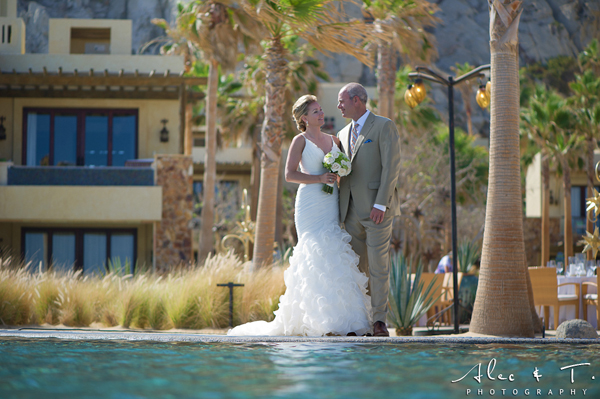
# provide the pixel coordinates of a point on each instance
(416, 93)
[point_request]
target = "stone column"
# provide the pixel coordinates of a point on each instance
(173, 235)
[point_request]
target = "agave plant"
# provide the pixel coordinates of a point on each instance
(468, 253)
(409, 300)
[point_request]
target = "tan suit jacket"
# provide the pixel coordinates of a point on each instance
(375, 167)
(375, 170)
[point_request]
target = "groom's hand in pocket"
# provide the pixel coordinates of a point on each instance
(377, 215)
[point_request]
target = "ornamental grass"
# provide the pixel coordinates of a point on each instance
(185, 299)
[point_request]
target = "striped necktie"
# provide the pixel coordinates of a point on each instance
(354, 138)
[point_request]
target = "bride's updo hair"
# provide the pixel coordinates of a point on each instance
(300, 108)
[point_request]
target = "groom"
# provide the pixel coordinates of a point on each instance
(368, 196)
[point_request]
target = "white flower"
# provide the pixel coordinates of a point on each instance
(343, 172)
(335, 167)
(346, 164)
(328, 160)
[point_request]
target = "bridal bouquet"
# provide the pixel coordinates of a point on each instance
(336, 162)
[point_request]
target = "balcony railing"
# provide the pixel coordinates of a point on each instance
(79, 176)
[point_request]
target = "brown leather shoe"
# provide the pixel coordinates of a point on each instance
(351, 334)
(380, 329)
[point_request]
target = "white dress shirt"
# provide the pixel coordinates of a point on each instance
(361, 122)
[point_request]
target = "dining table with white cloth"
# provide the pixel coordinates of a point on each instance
(567, 312)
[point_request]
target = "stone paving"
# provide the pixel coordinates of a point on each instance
(211, 337)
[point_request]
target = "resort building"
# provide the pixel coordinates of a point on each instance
(96, 158)
(533, 209)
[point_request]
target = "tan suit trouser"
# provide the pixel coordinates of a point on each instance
(371, 242)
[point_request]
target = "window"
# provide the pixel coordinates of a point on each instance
(90, 41)
(89, 250)
(6, 34)
(68, 137)
(578, 210)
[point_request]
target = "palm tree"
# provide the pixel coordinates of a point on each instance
(215, 29)
(504, 302)
(585, 103)
(536, 121)
(323, 24)
(243, 114)
(404, 21)
(564, 146)
(466, 92)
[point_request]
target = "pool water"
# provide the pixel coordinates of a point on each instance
(53, 368)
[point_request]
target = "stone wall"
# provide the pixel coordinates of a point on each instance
(532, 228)
(173, 235)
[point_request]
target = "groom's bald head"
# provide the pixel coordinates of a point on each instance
(352, 101)
(356, 90)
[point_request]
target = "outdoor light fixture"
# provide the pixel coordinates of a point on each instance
(2, 128)
(164, 133)
(488, 89)
(409, 97)
(483, 99)
(418, 90)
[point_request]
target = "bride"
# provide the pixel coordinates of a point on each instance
(325, 293)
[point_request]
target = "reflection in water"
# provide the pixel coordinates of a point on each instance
(114, 369)
(301, 364)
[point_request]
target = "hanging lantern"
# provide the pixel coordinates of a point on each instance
(409, 97)
(418, 90)
(483, 100)
(488, 89)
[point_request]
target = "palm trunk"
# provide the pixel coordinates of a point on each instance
(502, 306)
(279, 215)
(589, 225)
(386, 80)
(545, 210)
(255, 174)
(210, 165)
(465, 92)
(469, 111)
(568, 228)
(271, 135)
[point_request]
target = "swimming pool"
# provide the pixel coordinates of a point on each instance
(57, 368)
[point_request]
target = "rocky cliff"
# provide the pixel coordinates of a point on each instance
(548, 28)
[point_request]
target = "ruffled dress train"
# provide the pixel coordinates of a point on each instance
(325, 293)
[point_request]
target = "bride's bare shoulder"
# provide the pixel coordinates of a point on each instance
(298, 143)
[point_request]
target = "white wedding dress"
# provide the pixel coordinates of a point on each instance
(325, 291)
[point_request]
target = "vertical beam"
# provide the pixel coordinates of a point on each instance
(453, 201)
(182, 118)
(188, 141)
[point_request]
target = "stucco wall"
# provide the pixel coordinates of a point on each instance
(80, 203)
(533, 188)
(17, 40)
(59, 35)
(99, 62)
